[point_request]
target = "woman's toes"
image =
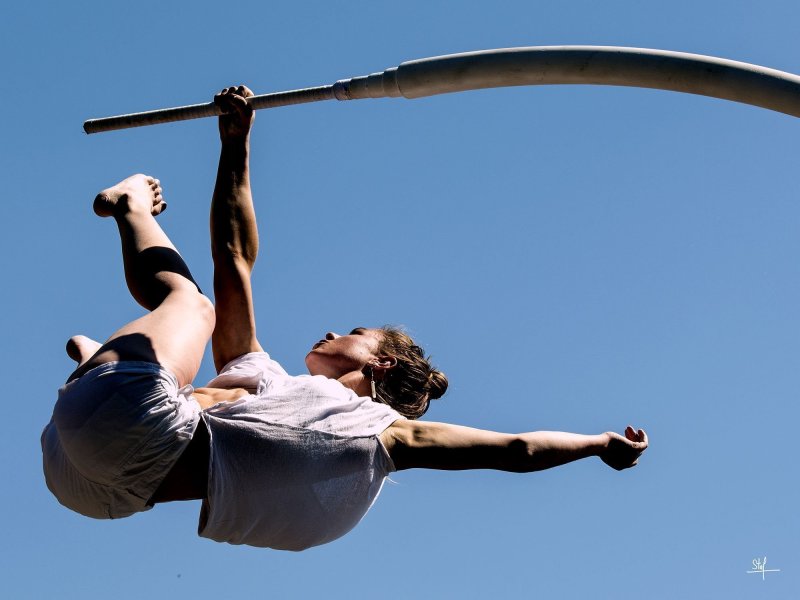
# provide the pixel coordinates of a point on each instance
(127, 195)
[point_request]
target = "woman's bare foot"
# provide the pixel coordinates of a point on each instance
(137, 192)
(81, 348)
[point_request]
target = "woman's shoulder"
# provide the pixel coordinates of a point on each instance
(247, 371)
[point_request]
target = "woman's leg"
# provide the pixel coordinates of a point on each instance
(175, 332)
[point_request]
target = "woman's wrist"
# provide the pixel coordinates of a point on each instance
(600, 443)
(235, 140)
(234, 152)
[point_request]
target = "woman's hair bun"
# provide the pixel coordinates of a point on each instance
(437, 384)
(413, 381)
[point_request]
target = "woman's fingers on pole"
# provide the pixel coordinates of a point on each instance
(239, 102)
(219, 100)
(224, 100)
(225, 96)
(233, 98)
(236, 113)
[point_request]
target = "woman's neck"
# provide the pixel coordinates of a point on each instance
(356, 381)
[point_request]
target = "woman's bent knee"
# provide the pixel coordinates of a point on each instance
(193, 306)
(205, 311)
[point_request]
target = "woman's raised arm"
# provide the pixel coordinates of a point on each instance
(419, 444)
(234, 234)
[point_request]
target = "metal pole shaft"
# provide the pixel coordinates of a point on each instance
(197, 111)
(551, 65)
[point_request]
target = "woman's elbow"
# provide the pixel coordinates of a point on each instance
(519, 455)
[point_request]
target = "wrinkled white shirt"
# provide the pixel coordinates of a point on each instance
(295, 465)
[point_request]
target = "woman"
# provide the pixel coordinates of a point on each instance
(279, 461)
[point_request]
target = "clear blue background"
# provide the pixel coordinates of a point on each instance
(575, 258)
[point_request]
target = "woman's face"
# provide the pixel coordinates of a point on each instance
(337, 355)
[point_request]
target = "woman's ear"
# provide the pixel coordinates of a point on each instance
(381, 365)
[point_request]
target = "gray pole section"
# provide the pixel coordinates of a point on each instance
(550, 65)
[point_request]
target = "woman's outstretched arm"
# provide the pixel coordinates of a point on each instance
(234, 234)
(418, 444)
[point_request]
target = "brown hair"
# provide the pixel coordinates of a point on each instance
(413, 382)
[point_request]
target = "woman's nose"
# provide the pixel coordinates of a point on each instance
(331, 336)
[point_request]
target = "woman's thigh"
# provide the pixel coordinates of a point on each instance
(174, 336)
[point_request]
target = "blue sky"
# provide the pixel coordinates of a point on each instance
(575, 258)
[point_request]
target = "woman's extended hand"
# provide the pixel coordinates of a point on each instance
(238, 115)
(623, 452)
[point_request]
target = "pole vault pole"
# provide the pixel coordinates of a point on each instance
(545, 65)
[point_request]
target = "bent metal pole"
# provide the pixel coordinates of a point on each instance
(545, 65)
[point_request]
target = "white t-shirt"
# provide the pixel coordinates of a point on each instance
(295, 465)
